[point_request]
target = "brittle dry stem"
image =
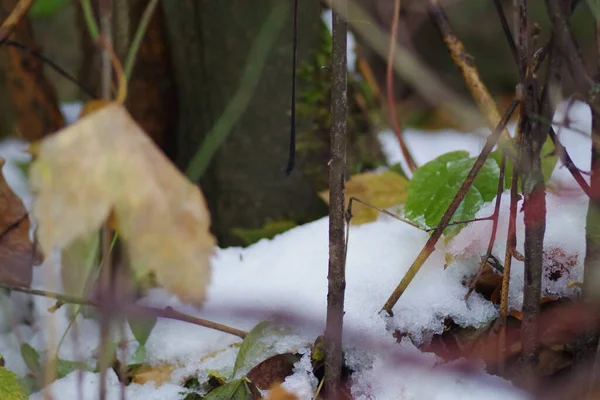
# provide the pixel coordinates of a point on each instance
(133, 310)
(494, 219)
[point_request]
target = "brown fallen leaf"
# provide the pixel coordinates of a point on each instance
(272, 370)
(383, 190)
(105, 163)
(17, 254)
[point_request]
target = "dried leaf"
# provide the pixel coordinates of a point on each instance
(159, 374)
(105, 163)
(17, 253)
(383, 190)
(273, 370)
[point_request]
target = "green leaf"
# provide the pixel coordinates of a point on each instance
(65, 367)
(46, 8)
(10, 389)
(31, 358)
(140, 354)
(255, 348)
(435, 184)
(267, 231)
(29, 384)
(142, 328)
(234, 390)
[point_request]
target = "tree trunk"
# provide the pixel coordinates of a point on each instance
(246, 184)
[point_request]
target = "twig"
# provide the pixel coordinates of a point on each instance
(389, 74)
(437, 233)
(511, 251)
(466, 221)
(534, 202)
(107, 274)
(568, 47)
(337, 247)
(61, 71)
(494, 219)
(408, 66)
(14, 17)
(381, 210)
(292, 148)
(508, 34)
(466, 63)
(132, 309)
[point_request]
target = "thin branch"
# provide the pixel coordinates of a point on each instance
(18, 13)
(508, 34)
(494, 218)
(568, 47)
(410, 162)
(61, 71)
(132, 309)
(337, 242)
(437, 233)
(467, 221)
(511, 249)
(407, 65)
(466, 63)
(381, 210)
(292, 148)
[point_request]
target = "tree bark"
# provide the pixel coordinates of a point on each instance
(245, 184)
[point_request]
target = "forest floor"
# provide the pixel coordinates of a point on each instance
(285, 279)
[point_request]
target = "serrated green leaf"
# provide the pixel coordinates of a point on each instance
(142, 328)
(234, 390)
(435, 184)
(46, 8)
(10, 389)
(31, 357)
(255, 348)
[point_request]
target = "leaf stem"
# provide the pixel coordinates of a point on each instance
(132, 309)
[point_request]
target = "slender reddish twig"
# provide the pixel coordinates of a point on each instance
(410, 162)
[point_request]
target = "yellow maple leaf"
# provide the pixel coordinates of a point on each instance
(105, 163)
(383, 190)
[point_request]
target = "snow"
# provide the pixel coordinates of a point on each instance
(286, 279)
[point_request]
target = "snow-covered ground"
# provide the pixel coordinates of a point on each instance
(287, 277)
